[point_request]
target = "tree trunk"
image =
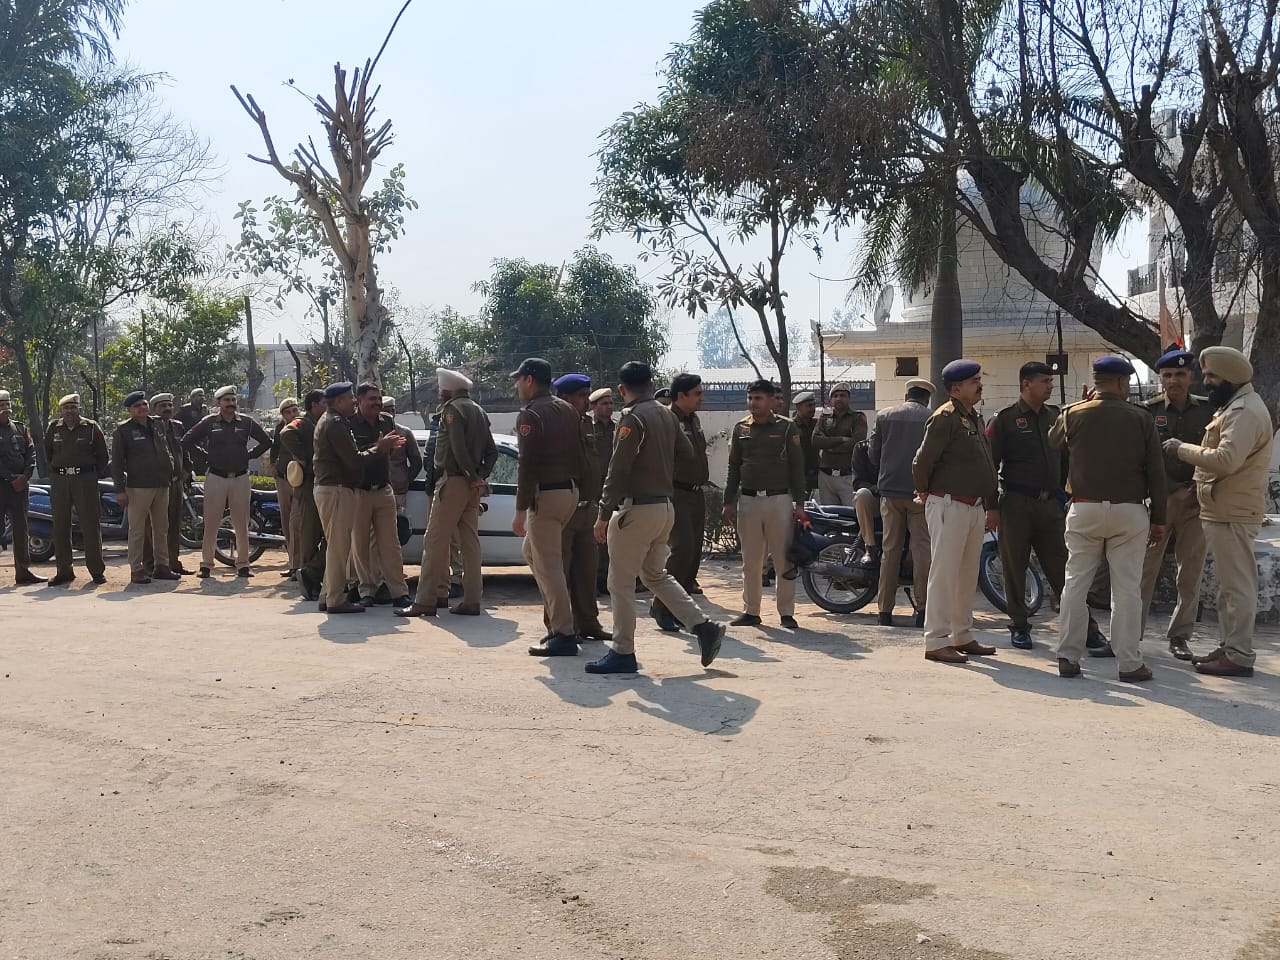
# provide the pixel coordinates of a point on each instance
(254, 375)
(30, 403)
(946, 315)
(1266, 337)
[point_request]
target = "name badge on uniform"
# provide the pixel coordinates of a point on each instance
(1162, 421)
(1021, 422)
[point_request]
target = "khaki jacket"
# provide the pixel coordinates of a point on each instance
(1233, 463)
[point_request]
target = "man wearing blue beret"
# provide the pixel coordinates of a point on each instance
(955, 479)
(1116, 466)
(1179, 415)
(142, 471)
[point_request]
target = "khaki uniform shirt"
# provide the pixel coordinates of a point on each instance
(17, 452)
(691, 471)
(297, 440)
(337, 459)
(1019, 438)
(1187, 425)
(1234, 463)
(140, 455)
(405, 462)
(954, 456)
(835, 436)
(552, 448)
(377, 466)
(603, 434)
(765, 455)
(227, 441)
(84, 446)
(1115, 453)
(466, 447)
(647, 445)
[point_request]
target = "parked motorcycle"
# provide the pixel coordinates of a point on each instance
(837, 581)
(113, 520)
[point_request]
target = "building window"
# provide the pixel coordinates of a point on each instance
(906, 367)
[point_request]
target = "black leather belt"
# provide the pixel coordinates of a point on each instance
(227, 475)
(835, 472)
(1031, 492)
(646, 501)
(690, 487)
(71, 471)
(558, 485)
(764, 493)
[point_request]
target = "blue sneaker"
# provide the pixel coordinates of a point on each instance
(614, 662)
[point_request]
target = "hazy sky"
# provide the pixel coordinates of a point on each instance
(497, 109)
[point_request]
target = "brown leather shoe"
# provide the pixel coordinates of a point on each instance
(1223, 666)
(1068, 668)
(946, 655)
(976, 649)
(139, 578)
(1178, 647)
(463, 610)
(346, 606)
(415, 610)
(164, 573)
(1217, 654)
(1141, 675)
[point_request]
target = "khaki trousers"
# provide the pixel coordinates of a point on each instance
(175, 521)
(375, 543)
(1119, 531)
(454, 517)
(902, 517)
(1188, 550)
(764, 528)
(955, 541)
(1237, 570)
(1027, 524)
(337, 509)
(80, 492)
(581, 561)
(307, 532)
(865, 507)
(835, 491)
(284, 497)
(148, 505)
(639, 536)
(687, 535)
(222, 494)
(14, 505)
(544, 552)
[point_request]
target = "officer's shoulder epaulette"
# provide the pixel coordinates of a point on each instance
(945, 410)
(1153, 402)
(1197, 398)
(746, 419)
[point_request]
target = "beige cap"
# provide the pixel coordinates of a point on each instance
(160, 397)
(600, 394)
(286, 402)
(1228, 363)
(840, 386)
(388, 401)
(70, 398)
(4, 395)
(227, 391)
(921, 383)
(804, 397)
(451, 379)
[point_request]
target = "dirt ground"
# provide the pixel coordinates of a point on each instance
(213, 770)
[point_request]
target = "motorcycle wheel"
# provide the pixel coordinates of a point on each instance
(991, 582)
(191, 531)
(225, 550)
(832, 593)
(41, 548)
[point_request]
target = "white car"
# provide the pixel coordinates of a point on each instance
(499, 547)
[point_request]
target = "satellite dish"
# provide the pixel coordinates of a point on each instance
(884, 303)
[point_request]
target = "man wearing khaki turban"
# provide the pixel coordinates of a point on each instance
(1232, 466)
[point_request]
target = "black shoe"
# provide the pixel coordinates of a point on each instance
(288, 574)
(353, 594)
(919, 620)
(310, 588)
(614, 662)
(402, 601)
(745, 620)
(556, 645)
(709, 634)
(790, 623)
(99, 578)
(1020, 639)
(666, 621)
(365, 602)
(30, 580)
(323, 607)
(695, 591)
(244, 572)
(180, 570)
(1096, 643)
(455, 591)
(884, 619)
(61, 578)
(602, 588)
(204, 573)
(604, 636)
(382, 596)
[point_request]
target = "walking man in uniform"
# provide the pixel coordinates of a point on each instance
(77, 452)
(280, 459)
(636, 517)
(1232, 466)
(225, 436)
(297, 441)
(764, 497)
(17, 464)
(955, 478)
(339, 471)
(892, 446)
(833, 438)
(375, 538)
(162, 406)
(806, 409)
(1115, 465)
(602, 426)
(464, 457)
(1182, 416)
(687, 480)
(552, 461)
(1031, 515)
(142, 471)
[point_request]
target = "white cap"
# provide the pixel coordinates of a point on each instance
(804, 397)
(227, 391)
(451, 379)
(600, 394)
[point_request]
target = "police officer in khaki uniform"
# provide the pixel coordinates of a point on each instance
(956, 479)
(1031, 513)
(552, 460)
(77, 452)
(142, 471)
(834, 439)
(464, 457)
(602, 427)
(297, 442)
(224, 437)
(1179, 415)
(1115, 465)
(688, 478)
(162, 407)
(339, 472)
(280, 460)
(375, 539)
(17, 463)
(636, 516)
(764, 497)
(805, 405)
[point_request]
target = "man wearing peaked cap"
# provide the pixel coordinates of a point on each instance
(280, 459)
(17, 464)
(834, 438)
(142, 472)
(805, 409)
(602, 431)
(956, 478)
(1115, 466)
(161, 406)
(76, 449)
(1232, 465)
(1179, 415)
